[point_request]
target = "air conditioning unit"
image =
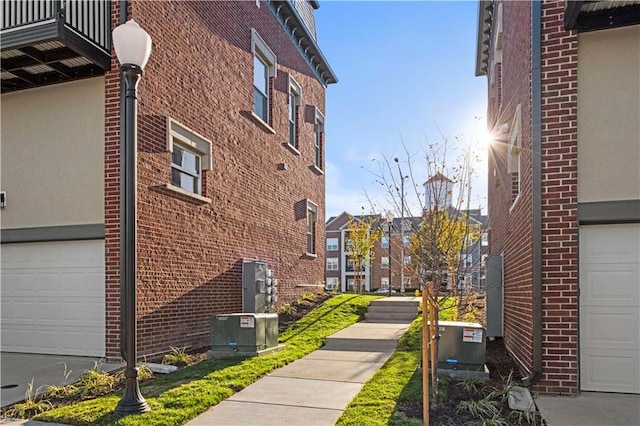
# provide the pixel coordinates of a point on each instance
(461, 346)
(244, 334)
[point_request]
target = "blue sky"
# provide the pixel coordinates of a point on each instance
(406, 73)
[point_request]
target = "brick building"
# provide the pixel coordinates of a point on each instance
(391, 263)
(564, 187)
(230, 166)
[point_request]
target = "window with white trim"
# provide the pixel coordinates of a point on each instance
(407, 260)
(312, 218)
(350, 283)
(384, 262)
(332, 244)
(513, 166)
(384, 242)
(318, 135)
(405, 241)
(332, 263)
(264, 70)
(384, 283)
(331, 283)
(190, 157)
(294, 102)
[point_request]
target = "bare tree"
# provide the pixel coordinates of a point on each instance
(445, 230)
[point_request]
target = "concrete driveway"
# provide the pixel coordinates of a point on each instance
(17, 371)
(591, 408)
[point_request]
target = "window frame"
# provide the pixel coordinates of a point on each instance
(330, 247)
(332, 283)
(186, 139)
(384, 242)
(330, 260)
(514, 158)
(384, 283)
(261, 51)
(318, 140)
(312, 220)
(384, 264)
(294, 101)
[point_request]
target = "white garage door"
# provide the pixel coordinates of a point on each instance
(53, 298)
(610, 308)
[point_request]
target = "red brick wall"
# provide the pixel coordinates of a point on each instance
(189, 253)
(559, 204)
(510, 224)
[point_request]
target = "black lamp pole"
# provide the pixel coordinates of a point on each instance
(389, 227)
(132, 401)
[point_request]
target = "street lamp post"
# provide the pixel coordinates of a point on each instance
(389, 218)
(133, 47)
(402, 178)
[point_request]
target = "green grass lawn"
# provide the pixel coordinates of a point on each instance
(180, 396)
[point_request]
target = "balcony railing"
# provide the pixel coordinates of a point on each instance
(47, 41)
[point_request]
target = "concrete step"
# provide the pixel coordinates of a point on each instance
(367, 336)
(396, 301)
(389, 316)
(381, 309)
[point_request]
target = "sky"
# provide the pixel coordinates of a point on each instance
(406, 79)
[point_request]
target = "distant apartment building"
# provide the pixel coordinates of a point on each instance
(391, 264)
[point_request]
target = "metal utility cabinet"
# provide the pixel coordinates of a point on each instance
(462, 345)
(243, 334)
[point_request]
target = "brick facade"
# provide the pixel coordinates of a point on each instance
(559, 203)
(510, 214)
(190, 252)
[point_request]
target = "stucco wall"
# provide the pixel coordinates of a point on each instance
(609, 115)
(52, 155)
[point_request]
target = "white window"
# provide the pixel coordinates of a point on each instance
(190, 156)
(384, 283)
(350, 283)
(332, 283)
(186, 172)
(332, 244)
(312, 218)
(405, 241)
(264, 68)
(332, 263)
(384, 262)
(318, 133)
(407, 260)
(384, 242)
(485, 238)
(513, 165)
(295, 100)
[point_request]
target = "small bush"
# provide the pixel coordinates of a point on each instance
(178, 357)
(30, 407)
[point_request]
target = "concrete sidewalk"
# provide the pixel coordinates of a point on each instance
(315, 389)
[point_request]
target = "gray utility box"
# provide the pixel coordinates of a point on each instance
(462, 345)
(254, 286)
(246, 333)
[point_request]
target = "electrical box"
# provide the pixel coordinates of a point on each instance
(462, 345)
(254, 286)
(245, 333)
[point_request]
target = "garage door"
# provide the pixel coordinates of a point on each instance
(53, 298)
(610, 308)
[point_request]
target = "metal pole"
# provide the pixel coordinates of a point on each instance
(132, 401)
(401, 231)
(389, 223)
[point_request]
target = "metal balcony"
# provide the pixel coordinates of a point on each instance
(46, 42)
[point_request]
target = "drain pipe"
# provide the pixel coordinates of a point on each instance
(536, 196)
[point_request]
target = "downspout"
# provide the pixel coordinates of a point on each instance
(536, 196)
